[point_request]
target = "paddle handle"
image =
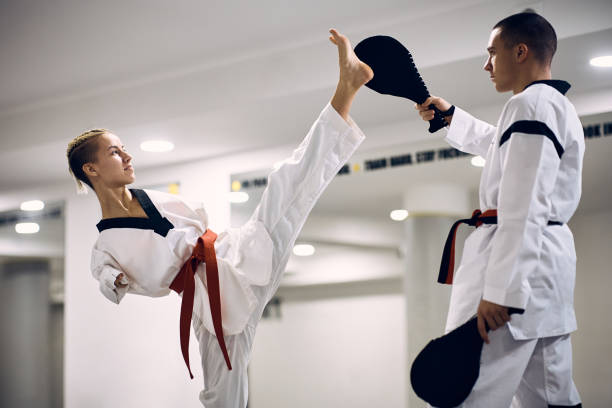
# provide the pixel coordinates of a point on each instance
(511, 310)
(438, 121)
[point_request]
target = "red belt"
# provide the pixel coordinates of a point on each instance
(447, 266)
(204, 251)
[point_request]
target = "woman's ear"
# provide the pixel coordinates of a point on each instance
(90, 170)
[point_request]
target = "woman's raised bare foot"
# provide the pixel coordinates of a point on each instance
(353, 74)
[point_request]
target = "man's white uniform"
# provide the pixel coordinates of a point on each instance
(251, 259)
(532, 176)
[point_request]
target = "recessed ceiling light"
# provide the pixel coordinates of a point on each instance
(603, 61)
(303, 250)
(398, 215)
(478, 161)
(32, 205)
(27, 228)
(238, 197)
(157, 146)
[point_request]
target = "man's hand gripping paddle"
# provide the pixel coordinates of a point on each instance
(445, 371)
(395, 73)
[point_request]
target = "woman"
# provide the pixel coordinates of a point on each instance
(151, 242)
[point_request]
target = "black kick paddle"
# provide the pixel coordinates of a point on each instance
(445, 371)
(395, 73)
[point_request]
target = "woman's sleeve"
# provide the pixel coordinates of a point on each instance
(105, 270)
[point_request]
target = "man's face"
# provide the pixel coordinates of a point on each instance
(501, 63)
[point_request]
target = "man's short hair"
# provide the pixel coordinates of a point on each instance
(532, 30)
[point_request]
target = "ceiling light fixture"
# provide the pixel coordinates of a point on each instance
(32, 205)
(238, 197)
(603, 61)
(398, 215)
(478, 161)
(27, 228)
(157, 146)
(303, 250)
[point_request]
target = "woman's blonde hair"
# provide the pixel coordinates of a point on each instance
(82, 149)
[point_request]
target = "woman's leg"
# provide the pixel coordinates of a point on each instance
(292, 190)
(224, 388)
(294, 187)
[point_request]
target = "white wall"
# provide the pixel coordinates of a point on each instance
(592, 343)
(331, 352)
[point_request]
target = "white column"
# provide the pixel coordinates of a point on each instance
(432, 210)
(24, 372)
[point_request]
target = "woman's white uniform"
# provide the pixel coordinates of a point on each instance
(532, 176)
(251, 259)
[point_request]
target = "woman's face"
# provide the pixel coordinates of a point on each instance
(113, 167)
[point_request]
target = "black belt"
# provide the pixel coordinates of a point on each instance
(447, 266)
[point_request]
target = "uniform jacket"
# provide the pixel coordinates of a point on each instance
(532, 176)
(150, 256)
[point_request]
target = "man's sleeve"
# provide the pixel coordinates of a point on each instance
(530, 153)
(468, 134)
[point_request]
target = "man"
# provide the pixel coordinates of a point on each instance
(526, 259)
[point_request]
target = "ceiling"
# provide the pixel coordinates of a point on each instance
(218, 78)
(223, 77)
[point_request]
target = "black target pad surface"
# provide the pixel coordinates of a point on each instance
(395, 72)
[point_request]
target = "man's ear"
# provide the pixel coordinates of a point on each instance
(521, 52)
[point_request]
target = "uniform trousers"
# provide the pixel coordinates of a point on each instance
(534, 373)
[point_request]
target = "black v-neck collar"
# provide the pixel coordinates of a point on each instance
(154, 222)
(559, 85)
